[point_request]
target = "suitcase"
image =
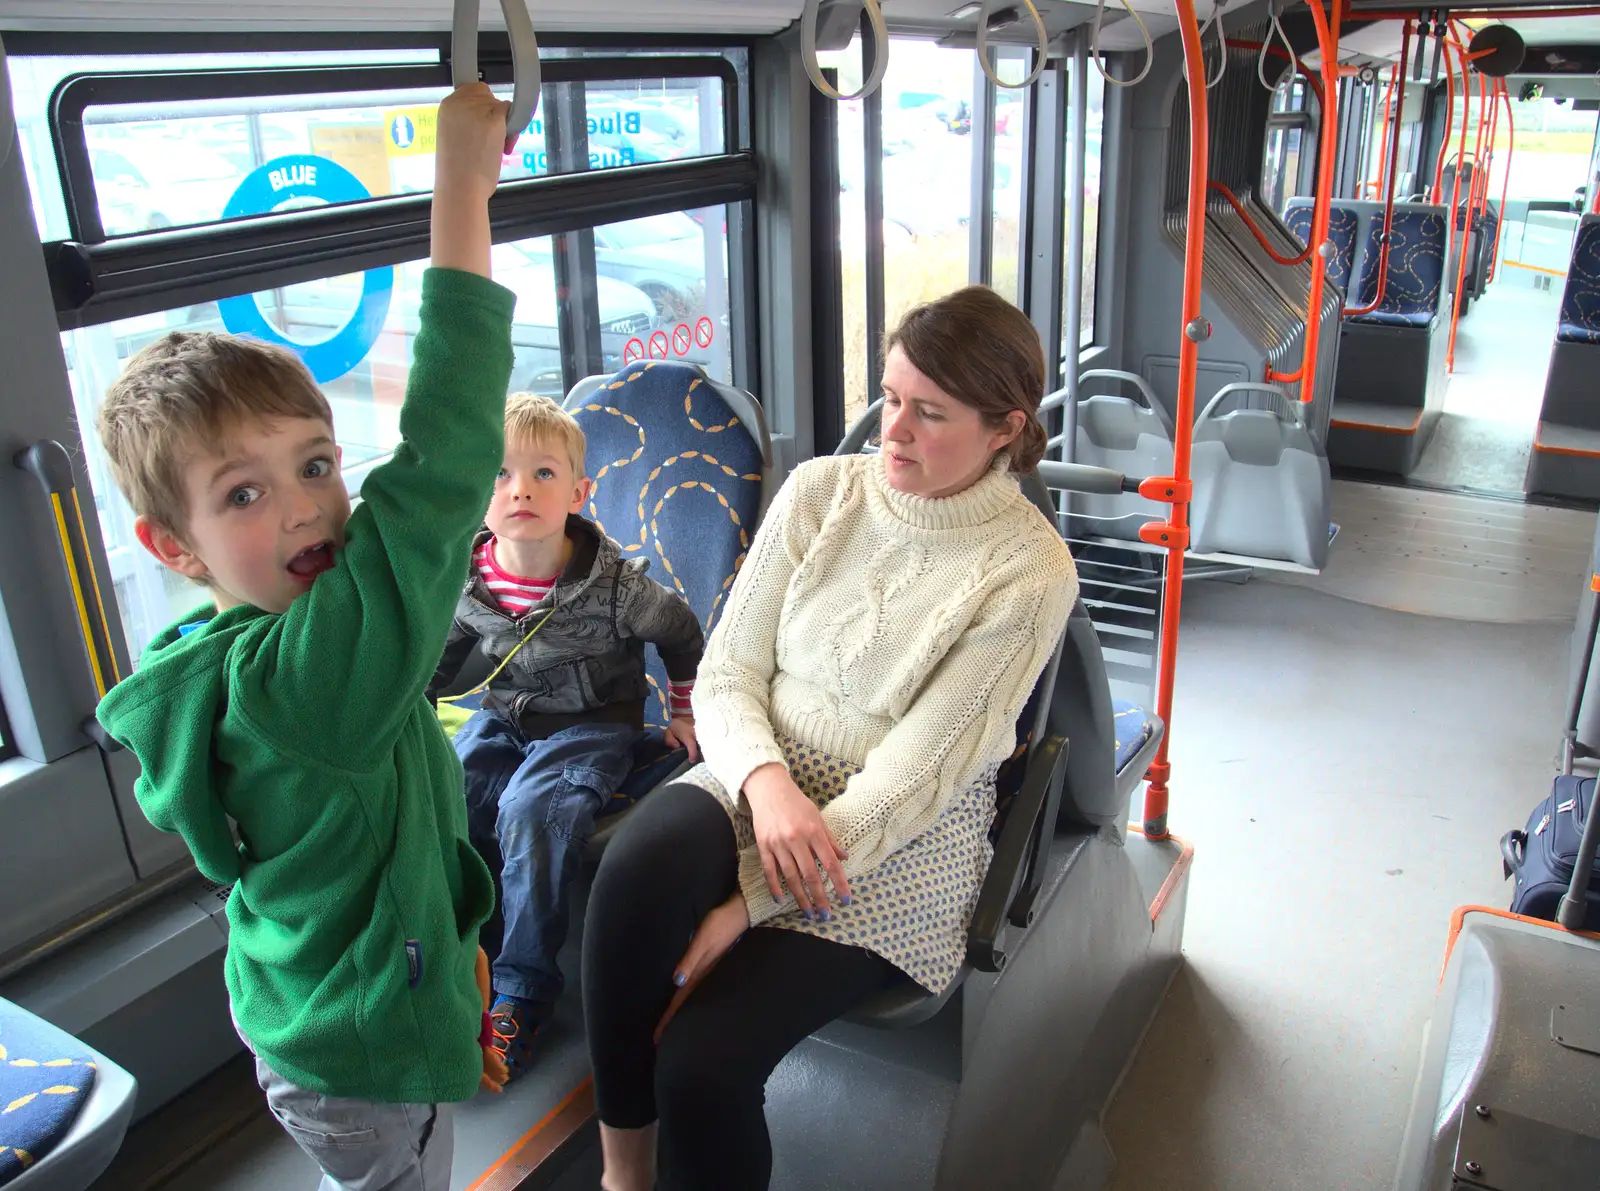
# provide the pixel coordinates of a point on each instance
(1542, 857)
(1553, 859)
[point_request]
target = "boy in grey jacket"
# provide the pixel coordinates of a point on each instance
(564, 617)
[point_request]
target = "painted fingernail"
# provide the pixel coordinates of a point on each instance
(810, 917)
(679, 979)
(847, 901)
(827, 915)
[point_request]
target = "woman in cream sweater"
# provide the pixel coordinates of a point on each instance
(853, 705)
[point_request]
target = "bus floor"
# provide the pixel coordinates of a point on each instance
(1344, 772)
(1491, 407)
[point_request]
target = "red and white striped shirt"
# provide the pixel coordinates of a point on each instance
(517, 594)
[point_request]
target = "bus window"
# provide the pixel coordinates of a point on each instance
(1095, 119)
(365, 382)
(927, 189)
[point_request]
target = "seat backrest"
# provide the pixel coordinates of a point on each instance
(1580, 301)
(1341, 233)
(682, 467)
(1416, 262)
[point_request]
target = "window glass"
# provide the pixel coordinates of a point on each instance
(181, 163)
(33, 80)
(1094, 128)
(1280, 167)
(356, 334)
(8, 748)
(927, 189)
(1009, 146)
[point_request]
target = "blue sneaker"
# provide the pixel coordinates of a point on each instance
(516, 1022)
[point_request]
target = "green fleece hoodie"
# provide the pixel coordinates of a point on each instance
(356, 897)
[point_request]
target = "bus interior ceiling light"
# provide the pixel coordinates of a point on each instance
(987, 20)
(524, 58)
(880, 52)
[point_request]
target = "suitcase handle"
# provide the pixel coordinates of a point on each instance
(1513, 851)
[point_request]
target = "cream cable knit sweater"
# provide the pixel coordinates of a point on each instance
(899, 633)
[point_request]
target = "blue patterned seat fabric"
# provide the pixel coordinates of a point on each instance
(1133, 729)
(1341, 233)
(1416, 268)
(677, 480)
(45, 1077)
(1580, 301)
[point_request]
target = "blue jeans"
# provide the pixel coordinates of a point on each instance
(539, 798)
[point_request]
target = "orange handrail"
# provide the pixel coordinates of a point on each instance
(1174, 533)
(1328, 42)
(1390, 170)
(1505, 186)
(1278, 51)
(1383, 135)
(1455, 201)
(1449, 114)
(1255, 228)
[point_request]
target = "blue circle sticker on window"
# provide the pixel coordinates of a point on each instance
(265, 189)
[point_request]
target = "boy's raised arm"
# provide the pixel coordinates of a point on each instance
(347, 663)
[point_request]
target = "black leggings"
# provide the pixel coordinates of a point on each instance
(671, 863)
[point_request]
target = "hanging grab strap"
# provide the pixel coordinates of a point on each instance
(524, 58)
(1099, 58)
(808, 51)
(1266, 44)
(983, 47)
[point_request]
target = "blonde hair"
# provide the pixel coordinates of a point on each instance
(531, 417)
(185, 392)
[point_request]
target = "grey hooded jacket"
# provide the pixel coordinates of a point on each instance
(586, 663)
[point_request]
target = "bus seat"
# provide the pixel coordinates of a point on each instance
(1580, 301)
(1390, 382)
(1261, 482)
(1565, 460)
(64, 1107)
(1131, 435)
(1416, 265)
(1108, 748)
(682, 471)
(1342, 226)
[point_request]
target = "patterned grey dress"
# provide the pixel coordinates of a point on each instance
(913, 909)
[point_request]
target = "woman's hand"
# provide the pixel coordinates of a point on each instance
(719, 930)
(793, 840)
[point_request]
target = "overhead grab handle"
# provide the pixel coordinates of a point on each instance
(1099, 58)
(1275, 27)
(524, 58)
(984, 16)
(808, 51)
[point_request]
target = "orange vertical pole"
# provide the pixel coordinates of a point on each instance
(1391, 176)
(1174, 533)
(1505, 186)
(1328, 147)
(1449, 114)
(1455, 199)
(1383, 135)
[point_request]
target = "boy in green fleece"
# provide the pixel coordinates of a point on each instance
(295, 708)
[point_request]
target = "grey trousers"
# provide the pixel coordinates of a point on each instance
(364, 1145)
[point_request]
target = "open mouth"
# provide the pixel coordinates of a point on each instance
(312, 561)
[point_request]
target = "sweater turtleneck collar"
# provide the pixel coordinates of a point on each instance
(984, 500)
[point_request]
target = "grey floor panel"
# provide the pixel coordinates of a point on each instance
(1446, 554)
(1491, 407)
(1344, 773)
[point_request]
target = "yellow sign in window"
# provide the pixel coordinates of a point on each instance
(410, 132)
